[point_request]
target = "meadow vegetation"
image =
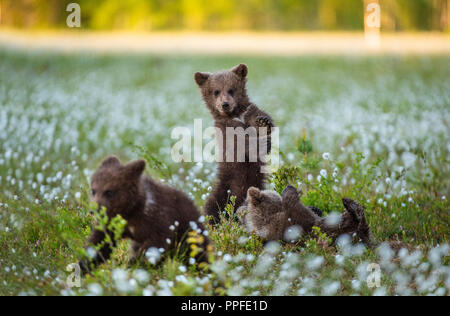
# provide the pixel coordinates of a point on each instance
(374, 129)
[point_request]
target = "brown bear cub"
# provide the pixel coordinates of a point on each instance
(157, 215)
(226, 97)
(274, 217)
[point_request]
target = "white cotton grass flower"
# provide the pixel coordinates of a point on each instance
(193, 225)
(335, 173)
(331, 288)
(333, 219)
(272, 248)
(219, 267)
(227, 258)
(165, 288)
(141, 276)
(436, 254)
(385, 251)
(339, 259)
(119, 275)
(263, 264)
(293, 233)
(153, 255)
(315, 263)
(91, 253)
(243, 240)
(323, 173)
(122, 282)
(381, 291)
(411, 260)
(183, 279)
(326, 156)
(95, 289)
(148, 291)
(281, 288)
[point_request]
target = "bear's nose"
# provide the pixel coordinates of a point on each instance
(225, 105)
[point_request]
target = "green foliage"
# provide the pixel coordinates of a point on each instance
(153, 162)
(230, 236)
(226, 14)
(52, 147)
(304, 145)
(114, 226)
(319, 242)
(285, 175)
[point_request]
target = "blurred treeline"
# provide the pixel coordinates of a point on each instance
(220, 15)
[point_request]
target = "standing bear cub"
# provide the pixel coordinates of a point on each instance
(242, 159)
(157, 215)
(274, 217)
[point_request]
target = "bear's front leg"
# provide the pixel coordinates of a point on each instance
(257, 118)
(297, 212)
(359, 216)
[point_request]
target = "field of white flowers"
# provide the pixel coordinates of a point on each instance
(371, 128)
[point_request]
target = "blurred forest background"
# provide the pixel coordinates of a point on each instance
(226, 15)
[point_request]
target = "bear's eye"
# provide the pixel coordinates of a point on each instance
(109, 194)
(216, 93)
(93, 192)
(231, 92)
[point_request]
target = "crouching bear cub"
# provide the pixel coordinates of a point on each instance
(226, 97)
(272, 216)
(157, 215)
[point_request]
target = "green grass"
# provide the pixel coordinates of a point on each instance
(384, 120)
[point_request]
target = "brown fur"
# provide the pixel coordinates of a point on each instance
(149, 208)
(226, 97)
(269, 216)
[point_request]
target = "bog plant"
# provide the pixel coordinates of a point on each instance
(359, 144)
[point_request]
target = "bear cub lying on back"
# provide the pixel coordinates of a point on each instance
(157, 215)
(226, 97)
(274, 217)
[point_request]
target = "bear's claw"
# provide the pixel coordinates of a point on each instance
(264, 121)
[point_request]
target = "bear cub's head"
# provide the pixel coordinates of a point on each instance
(117, 187)
(263, 203)
(224, 92)
(266, 200)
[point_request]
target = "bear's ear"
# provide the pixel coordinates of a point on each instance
(254, 195)
(111, 161)
(201, 78)
(135, 168)
(241, 70)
